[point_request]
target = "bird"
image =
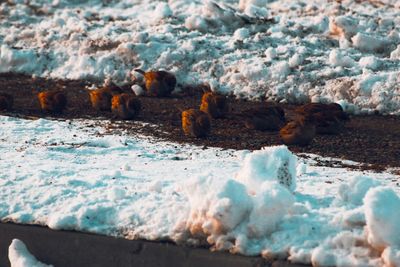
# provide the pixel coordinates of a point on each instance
(214, 104)
(328, 118)
(101, 98)
(332, 108)
(269, 118)
(52, 101)
(328, 123)
(158, 83)
(195, 123)
(6, 101)
(125, 106)
(300, 132)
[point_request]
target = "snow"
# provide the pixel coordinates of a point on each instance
(369, 43)
(20, 256)
(75, 175)
(250, 48)
(370, 62)
(382, 219)
(336, 58)
(354, 192)
(138, 90)
(275, 163)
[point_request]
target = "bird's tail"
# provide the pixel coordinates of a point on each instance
(140, 71)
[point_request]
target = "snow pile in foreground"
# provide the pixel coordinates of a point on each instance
(288, 50)
(72, 175)
(262, 216)
(20, 256)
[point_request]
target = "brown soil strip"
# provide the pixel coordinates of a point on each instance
(373, 140)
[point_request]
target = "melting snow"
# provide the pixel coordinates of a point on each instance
(287, 50)
(67, 175)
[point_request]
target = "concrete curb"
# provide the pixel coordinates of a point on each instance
(74, 249)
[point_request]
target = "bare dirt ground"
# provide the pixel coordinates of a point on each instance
(373, 140)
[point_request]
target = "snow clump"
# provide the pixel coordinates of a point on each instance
(382, 206)
(20, 256)
(354, 191)
(274, 163)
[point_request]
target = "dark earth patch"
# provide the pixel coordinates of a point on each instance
(373, 140)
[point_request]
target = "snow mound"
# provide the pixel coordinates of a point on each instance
(354, 191)
(382, 206)
(274, 163)
(216, 206)
(220, 42)
(20, 256)
(271, 204)
(228, 213)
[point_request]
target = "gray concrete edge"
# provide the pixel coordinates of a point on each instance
(74, 249)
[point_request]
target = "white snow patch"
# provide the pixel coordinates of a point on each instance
(20, 256)
(381, 211)
(213, 42)
(354, 191)
(275, 163)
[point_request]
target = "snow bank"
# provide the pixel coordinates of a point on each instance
(229, 212)
(287, 51)
(72, 175)
(19, 256)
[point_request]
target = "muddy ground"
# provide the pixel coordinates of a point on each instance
(373, 140)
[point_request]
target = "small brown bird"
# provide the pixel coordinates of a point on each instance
(52, 101)
(101, 98)
(158, 83)
(327, 123)
(125, 106)
(195, 123)
(214, 104)
(328, 118)
(270, 118)
(6, 101)
(299, 132)
(311, 108)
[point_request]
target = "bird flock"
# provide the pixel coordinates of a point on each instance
(310, 119)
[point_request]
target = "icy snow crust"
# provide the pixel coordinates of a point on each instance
(72, 175)
(288, 50)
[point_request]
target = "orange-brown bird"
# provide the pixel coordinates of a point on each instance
(195, 123)
(52, 101)
(125, 106)
(333, 108)
(101, 98)
(298, 132)
(6, 101)
(328, 118)
(270, 118)
(327, 123)
(158, 83)
(214, 104)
